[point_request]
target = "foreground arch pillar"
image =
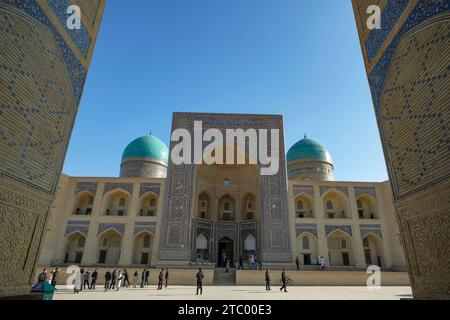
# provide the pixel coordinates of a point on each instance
(407, 68)
(43, 75)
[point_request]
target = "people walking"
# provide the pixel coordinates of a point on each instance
(108, 277)
(42, 276)
(94, 277)
(135, 278)
(166, 276)
(147, 276)
(143, 278)
(126, 278)
(86, 277)
(283, 281)
(113, 279)
(268, 280)
(297, 262)
(55, 277)
(160, 279)
(199, 276)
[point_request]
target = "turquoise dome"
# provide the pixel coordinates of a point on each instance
(308, 149)
(147, 147)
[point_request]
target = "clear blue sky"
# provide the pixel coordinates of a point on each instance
(298, 58)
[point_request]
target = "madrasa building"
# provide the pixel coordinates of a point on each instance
(157, 213)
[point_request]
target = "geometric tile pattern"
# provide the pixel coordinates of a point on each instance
(415, 108)
(36, 102)
(305, 227)
(89, 10)
(346, 229)
(370, 228)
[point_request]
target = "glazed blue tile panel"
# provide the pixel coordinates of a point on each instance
(119, 227)
(76, 71)
(86, 186)
(305, 227)
(391, 12)
(112, 185)
(365, 190)
(153, 187)
(77, 226)
(80, 37)
(371, 228)
(346, 229)
(144, 226)
(422, 11)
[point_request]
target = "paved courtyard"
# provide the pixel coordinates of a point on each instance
(239, 293)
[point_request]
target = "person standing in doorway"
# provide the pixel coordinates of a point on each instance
(283, 281)
(166, 276)
(199, 276)
(94, 277)
(227, 265)
(268, 280)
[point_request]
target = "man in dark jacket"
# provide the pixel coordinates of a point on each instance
(297, 262)
(167, 277)
(107, 280)
(147, 276)
(199, 276)
(126, 279)
(283, 280)
(268, 280)
(113, 279)
(42, 276)
(55, 277)
(160, 279)
(94, 277)
(143, 278)
(86, 277)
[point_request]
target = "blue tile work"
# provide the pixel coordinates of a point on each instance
(391, 12)
(153, 187)
(119, 227)
(76, 71)
(422, 11)
(86, 186)
(365, 190)
(305, 227)
(145, 226)
(80, 37)
(371, 228)
(324, 189)
(298, 189)
(112, 185)
(77, 226)
(346, 229)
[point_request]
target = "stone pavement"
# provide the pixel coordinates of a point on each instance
(239, 293)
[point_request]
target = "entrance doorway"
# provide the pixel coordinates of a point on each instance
(225, 252)
(345, 259)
